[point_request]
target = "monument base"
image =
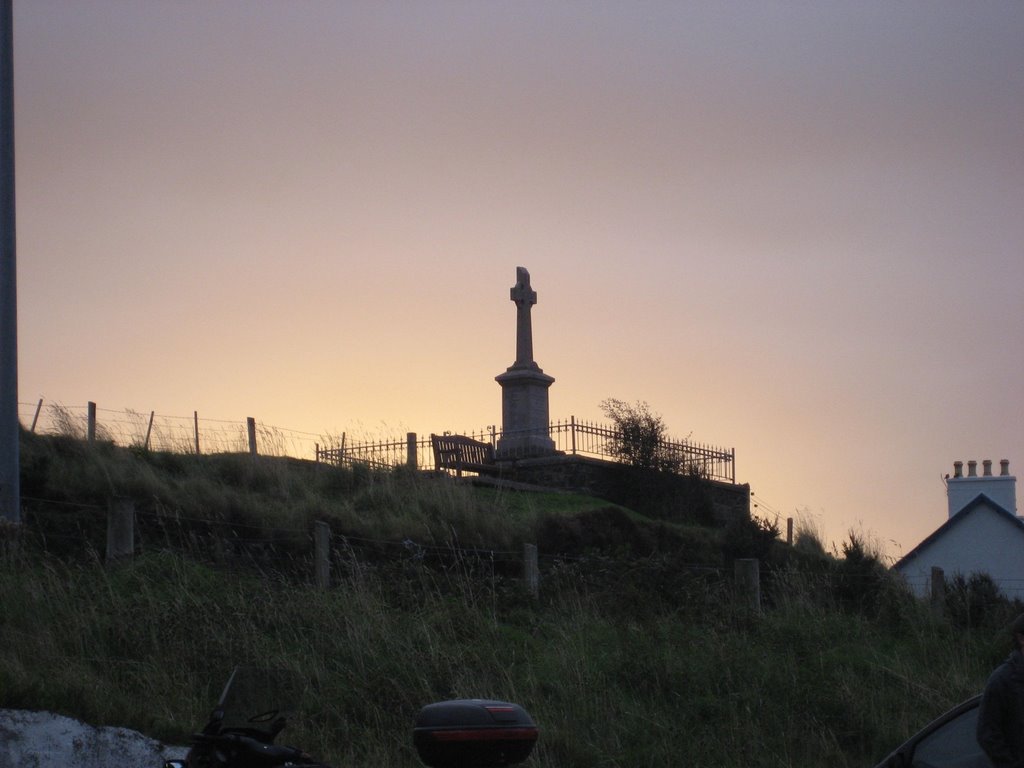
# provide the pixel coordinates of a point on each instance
(524, 410)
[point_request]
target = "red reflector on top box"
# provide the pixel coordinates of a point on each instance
(473, 733)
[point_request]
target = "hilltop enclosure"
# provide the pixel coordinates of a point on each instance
(583, 459)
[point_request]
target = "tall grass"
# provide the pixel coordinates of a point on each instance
(148, 645)
(625, 659)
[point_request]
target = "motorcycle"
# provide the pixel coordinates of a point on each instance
(255, 706)
(253, 709)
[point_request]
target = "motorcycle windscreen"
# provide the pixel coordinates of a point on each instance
(260, 700)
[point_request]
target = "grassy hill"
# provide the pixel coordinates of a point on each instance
(635, 652)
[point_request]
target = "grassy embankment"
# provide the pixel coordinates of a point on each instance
(630, 657)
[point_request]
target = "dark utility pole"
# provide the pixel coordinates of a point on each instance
(10, 490)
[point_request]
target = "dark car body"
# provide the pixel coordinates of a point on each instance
(949, 741)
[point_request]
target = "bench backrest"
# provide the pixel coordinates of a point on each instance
(460, 452)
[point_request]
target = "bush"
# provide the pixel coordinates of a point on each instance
(642, 436)
(864, 584)
(975, 601)
(750, 537)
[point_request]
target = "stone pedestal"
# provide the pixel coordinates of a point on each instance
(524, 413)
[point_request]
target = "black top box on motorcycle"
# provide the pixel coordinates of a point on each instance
(473, 733)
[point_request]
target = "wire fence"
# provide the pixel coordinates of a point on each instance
(316, 556)
(161, 432)
(118, 530)
(202, 435)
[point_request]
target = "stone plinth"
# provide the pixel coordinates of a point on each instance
(524, 413)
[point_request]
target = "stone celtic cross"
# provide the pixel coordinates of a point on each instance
(524, 297)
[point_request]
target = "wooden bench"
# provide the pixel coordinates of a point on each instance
(460, 453)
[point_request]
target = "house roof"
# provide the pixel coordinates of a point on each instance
(981, 501)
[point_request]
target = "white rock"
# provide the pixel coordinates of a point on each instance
(40, 739)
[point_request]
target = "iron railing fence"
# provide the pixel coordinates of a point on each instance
(379, 454)
(572, 437)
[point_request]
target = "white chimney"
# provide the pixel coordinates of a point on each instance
(1001, 488)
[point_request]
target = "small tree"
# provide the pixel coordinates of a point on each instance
(641, 436)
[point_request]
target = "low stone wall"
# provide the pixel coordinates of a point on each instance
(662, 495)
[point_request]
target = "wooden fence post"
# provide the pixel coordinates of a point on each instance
(90, 432)
(748, 583)
(938, 591)
(531, 569)
(39, 407)
(250, 424)
(149, 430)
(411, 450)
(195, 419)
(322, 554)
(120, 530)
(789, 531)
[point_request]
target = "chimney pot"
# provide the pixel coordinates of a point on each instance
(972, 469)
(987, 464)
(1004, 468)
(958, 469)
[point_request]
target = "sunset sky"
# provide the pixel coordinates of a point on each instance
(795, 229)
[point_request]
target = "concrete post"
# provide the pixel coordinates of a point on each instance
(322, 554)
(120, 530)
(748, 584)
(938, 591)
(531, 569)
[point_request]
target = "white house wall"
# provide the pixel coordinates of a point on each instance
(984, 541)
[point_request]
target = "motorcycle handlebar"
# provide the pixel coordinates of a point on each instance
(269, 752)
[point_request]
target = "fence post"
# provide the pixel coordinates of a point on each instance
(411, 457)
(120, 530)
(748, 583)
(322, 554)
(39, 407)
(149, 430)
(195, 420)
(90, 432)
(789, 531)
(250, 423)
(531, 570)
(938, 591)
